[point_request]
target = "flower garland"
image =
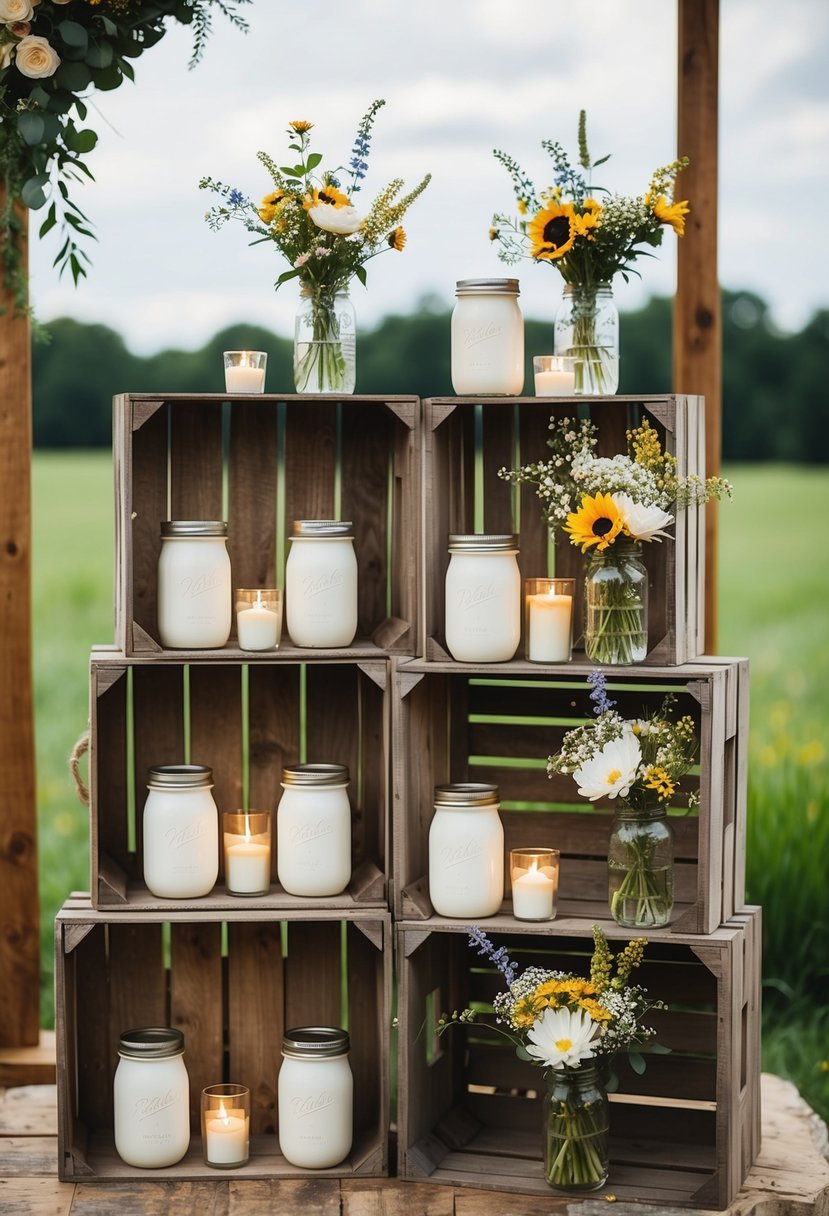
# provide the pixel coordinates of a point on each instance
(52, 53)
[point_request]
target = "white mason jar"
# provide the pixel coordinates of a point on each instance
(313, 830)
(466, 851)
(321, 584)
(483, 598)
(151, 1098)
(315, 1097)
(195, 599)
(181, 831)
(487, 338)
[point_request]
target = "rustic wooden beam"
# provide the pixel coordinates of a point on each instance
(19, 912)
(697, 328)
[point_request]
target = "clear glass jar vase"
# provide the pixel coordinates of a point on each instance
(640, 866)
(576, 1126)
(616, 605)
(587, 330)
(325, 342)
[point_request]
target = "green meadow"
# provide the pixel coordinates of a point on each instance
(773, 596)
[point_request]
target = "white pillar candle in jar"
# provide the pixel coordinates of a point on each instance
(534, 883)
(548, 604)
(180, 832)
(321, 584)
(313, 830)
(487, 338)
(466, 851)
(483, 598)
(225, 1125)
(195, 598)
(315, 1097)
(247, 844)
(151, 1098)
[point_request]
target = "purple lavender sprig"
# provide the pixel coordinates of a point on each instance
(601, 701)
(499, 957)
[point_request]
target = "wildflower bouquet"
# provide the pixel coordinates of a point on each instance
(52, 55)
(588, 234)
(313, 220)
(572, 1027)
(608, 506)
(640, 763)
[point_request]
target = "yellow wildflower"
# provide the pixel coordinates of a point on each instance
(397, 239)
(300, 126)
(656, 778)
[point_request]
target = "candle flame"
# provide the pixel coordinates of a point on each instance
(223, 1115)
(534, 867)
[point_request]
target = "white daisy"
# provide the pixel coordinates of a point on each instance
(611, 771)
(639, 521)
(561, 1038)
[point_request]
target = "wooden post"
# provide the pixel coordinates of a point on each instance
(697, 329)
(19, 913)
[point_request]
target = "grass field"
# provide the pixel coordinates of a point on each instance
(773, 592)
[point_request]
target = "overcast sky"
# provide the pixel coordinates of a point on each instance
(460, 77)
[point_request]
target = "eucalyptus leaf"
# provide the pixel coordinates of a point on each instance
(73, 76)
(637, 1062)
(33, 194)
(31, 127)
(73, 34)
(612, 1083)
(81, 141)
(520, 1050)
(108, 78)
(60, 102)
(39, 96)
(100, 56)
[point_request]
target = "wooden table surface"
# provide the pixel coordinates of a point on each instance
(790, 1178)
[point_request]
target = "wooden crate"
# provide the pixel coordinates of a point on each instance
(477, 724)
(260, 462)
(467, 440)
(232, 1003)
(682, 1135)
(242, 721)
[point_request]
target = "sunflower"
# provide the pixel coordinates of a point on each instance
(598, 522)
(397, 239)
(670, 213)
(300, 126)
(326, 194)
(552, 231)
(267, 208)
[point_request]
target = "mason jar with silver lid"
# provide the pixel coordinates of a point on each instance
(181, 831)
(321, 584)
(195, 598)
(313, 830)
(315, 1097)
(466, 851)
(483, 598)
(487, 338)
(151, 1098)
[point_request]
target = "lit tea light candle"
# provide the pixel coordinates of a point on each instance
(534, 880)
(245, 371)
(225, 1111)
(258, 618)
(549, 619)
(247, 840)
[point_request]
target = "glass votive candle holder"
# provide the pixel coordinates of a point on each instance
(258, 618)
(555, 375)
(534, 881)
(247, 852)
(225, 1125)
(548, 619)
(245, 371)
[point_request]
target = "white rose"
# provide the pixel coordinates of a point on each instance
(6, 54)
(36, 58)
(342, 221)
(15, 10)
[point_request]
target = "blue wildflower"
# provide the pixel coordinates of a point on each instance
(235, 198)
(601, 701)
(499, 957)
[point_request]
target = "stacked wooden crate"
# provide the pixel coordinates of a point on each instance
(404, 717)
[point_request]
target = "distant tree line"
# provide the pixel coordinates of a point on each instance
(775, 402)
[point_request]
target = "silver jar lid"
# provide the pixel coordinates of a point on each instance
(322, 528)
(507, 287)
(467, 793)
(193, 527)
(315, 775)
(151, 1043)
(483, 542)
(315, 1042)
(179, 776)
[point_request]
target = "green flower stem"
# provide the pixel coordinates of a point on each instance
(322, 365)
(576, 1146)
(640, 889)
(617, 631)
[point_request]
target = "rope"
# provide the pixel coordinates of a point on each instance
(78, 751)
